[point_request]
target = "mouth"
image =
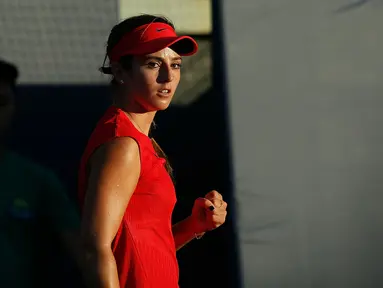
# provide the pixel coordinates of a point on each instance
(164, 92)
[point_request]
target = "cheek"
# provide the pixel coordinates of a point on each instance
(145, 79)
(177, 77)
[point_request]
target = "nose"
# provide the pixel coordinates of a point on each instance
(166, 74)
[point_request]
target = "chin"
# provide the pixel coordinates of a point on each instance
(152, 107)
(161, 104)
(162, 107)
(156, 103)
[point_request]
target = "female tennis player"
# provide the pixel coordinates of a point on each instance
(125, 187)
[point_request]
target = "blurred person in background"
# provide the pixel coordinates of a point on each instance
(125, 181)
(37, 220)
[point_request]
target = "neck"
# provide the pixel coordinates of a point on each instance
(142, 121)
(140, 118)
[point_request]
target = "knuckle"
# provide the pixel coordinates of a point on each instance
(216, 202)
(215, 193)
(212, 193)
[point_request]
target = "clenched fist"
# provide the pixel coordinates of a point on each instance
(209, 212)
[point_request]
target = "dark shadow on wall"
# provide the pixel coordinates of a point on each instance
(53, 124)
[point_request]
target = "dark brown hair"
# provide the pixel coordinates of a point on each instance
(8, 73)
(118, 31)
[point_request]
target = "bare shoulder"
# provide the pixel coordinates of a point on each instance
(123, 150)
(114, 172)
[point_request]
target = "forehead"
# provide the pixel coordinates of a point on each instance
(165, 53)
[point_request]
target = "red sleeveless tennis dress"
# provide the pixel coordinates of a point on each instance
(144, 246)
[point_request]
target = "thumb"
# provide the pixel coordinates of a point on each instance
(204, 203)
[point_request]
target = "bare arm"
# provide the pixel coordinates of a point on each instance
(184, 231)
(208, 213)
(193, 226)
(113, 176)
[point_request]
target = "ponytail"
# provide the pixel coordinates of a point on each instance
(162, 154)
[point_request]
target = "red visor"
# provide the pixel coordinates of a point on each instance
(150, 38)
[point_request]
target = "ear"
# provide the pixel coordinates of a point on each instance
(117, 71)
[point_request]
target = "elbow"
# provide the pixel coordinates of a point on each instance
(92, 248)
(96, 260)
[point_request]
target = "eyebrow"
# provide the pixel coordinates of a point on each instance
(162, 59)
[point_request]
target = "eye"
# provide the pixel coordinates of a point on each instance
(177, 65)
(153, 64)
